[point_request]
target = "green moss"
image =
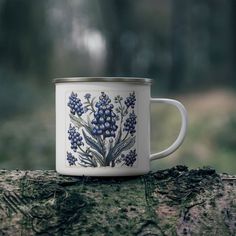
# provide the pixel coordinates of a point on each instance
(213, 203)
(157, 203)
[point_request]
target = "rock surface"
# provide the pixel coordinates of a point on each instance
(175, 201)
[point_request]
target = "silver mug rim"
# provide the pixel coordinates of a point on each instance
(133, 80)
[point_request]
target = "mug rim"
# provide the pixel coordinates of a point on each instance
(133, 80)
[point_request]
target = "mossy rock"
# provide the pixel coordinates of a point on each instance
(176, 201)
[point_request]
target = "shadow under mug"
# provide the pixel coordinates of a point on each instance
(103, 126)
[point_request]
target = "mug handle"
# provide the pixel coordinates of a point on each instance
(183, 129)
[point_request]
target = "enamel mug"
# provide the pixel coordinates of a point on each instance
(103, 126)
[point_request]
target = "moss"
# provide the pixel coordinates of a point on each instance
(123, 210)
(161, 203)
(53, 205)
(213, 203)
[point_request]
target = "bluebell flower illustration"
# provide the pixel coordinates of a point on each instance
(75, 138)
(130, 123)
(87, 96)
(104, 118)
(108, 129)
(71, 159)
(75, 104)
(130, 158)
(130, 101)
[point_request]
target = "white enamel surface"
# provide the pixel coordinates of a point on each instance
(142, 135)
(142, 130)
(183, 129)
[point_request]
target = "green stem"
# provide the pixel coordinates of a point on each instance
(121, 120)
(93, 110)
(84, 151)
(125, 136)
(122, 111)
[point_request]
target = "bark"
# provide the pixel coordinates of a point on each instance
(176, 201)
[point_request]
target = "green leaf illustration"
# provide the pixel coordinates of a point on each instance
(98, 157)
(87, 161)
(118, 137)
(77, 121)
(124, 145)
(92, 143)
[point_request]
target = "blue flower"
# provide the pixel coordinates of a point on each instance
(75, 104)
(130, 158)
(71, 159)
(87, 96)
(104, 122)
(130, 101)
(130, 123)
(75, 138)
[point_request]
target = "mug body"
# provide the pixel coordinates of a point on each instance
(102, 126)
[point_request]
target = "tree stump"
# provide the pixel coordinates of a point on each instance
(175, 201)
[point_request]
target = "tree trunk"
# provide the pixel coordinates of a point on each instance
(116, 16)
(176, 201)
(178, 44)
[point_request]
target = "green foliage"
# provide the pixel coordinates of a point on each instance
(210, 137)
(25, 40)
(226, 136)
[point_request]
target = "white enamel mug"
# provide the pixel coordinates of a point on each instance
(103, 126)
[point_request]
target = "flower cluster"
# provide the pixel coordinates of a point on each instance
(130, 158)
(104, 122)
(71, 159)
(98, 118)
(130, 101)
(130, 123)
(75, 105)
(75, 138)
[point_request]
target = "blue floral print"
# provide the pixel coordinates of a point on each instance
(71, 159)
(108, 128)
(75, 105)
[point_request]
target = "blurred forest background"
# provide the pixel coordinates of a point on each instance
(187, 47)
